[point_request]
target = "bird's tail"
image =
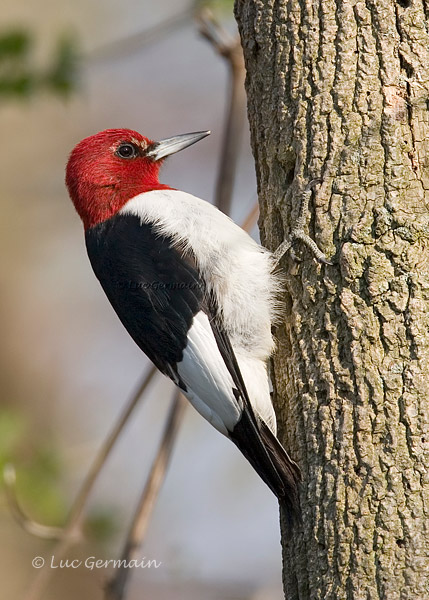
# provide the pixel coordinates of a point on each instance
(288, 472)
(270, 460)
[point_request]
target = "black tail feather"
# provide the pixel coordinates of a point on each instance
(270, 460)
(289, 471)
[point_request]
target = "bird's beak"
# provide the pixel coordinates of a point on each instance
(174, 144)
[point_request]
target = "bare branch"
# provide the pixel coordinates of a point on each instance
(230, 48)
(37, 529)
(115, 588)
(136, 42)
(251, 218)
(107, 446)
(72, 531)
(210, 28)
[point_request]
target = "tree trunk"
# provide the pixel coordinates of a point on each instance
(338, 89)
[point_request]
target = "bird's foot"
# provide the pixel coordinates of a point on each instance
(298, 233)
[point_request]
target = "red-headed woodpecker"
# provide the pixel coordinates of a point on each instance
(193, 290)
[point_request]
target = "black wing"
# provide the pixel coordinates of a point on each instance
(153, 290)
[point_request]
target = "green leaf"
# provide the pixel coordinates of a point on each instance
(38, 486)
(14, 43)
(101, 525)
(12, 430)
(19, 78)
(63, 75)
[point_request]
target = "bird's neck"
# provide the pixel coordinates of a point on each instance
(96, 204)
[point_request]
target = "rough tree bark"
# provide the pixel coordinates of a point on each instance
(338, 89)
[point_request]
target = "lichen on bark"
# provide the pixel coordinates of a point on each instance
(340, 90)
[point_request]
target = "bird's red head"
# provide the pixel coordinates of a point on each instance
(106, 170)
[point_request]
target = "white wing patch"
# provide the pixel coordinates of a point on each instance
(209, 384)
(255, 376)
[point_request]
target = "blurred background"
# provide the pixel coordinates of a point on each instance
(68, 70)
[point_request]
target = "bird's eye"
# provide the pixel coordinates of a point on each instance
(127, 150)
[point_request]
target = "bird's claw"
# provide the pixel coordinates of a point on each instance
(298, 233)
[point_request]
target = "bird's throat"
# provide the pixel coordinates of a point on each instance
(98, 203)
